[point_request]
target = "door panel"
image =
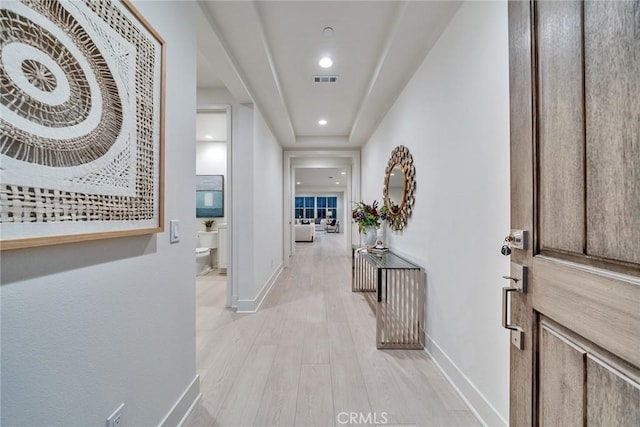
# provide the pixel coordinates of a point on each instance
(612, 396)
(562, 373)
(612, 85)
(575, 185)
(589, 128)
(561, 127)
(581, 382)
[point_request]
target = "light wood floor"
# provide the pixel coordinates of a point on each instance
(309, 355)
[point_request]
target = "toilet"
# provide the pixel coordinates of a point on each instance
(207, 240)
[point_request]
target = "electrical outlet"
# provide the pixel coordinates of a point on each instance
(115, 419)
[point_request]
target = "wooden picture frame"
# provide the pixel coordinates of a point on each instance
(83, 154)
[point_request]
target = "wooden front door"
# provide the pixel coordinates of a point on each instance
(575, 187)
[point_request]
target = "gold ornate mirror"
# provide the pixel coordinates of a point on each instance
(399, 187)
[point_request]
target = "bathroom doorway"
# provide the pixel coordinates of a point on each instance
(213, 207)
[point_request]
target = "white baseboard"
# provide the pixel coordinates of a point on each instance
(184, 405)
(234, 301)
(475, 400)
(253, 305)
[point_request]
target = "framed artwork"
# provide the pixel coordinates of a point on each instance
(209, 196)
(81, 122)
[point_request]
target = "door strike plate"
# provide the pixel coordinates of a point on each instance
(517, 338)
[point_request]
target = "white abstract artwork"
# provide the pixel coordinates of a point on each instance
(81, 122)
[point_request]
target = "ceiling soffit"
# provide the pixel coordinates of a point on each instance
(241, 32)
(273, 48)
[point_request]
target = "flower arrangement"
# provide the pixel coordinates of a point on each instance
(368, 215)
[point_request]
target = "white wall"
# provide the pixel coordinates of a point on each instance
(267, 208)
(454, 117)
(87, 326)
(211, 159)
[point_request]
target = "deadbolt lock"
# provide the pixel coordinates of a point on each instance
(518, 239)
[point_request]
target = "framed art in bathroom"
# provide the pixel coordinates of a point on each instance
(81, 123)
(209, 196)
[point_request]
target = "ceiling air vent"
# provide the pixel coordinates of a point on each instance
(325, 79)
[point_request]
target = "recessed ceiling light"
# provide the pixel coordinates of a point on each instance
(322, 122)
(298, 182)
(343, 173)
(327, 31)
(325, 62)
(337, 182)
(208, 136)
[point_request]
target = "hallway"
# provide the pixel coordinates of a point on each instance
(308, 357)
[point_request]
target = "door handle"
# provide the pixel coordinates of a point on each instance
(519, 279)
(505, 304)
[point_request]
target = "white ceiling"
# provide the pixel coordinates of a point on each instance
(267, 52)
(322, 178)
(211, 126)
(207, 76)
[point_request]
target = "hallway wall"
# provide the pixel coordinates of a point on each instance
(454, 117)
(268, 201)
(88, 326)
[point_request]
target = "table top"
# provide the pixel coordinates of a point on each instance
(388, 260)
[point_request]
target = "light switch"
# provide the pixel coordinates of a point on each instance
(174, 231)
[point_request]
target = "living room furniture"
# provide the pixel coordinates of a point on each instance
(332, 226)
(304, 232)
(400, 297)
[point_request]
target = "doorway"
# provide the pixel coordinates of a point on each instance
(213, 204)
(335, 161)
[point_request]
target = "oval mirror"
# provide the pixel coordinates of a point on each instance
(395, 189)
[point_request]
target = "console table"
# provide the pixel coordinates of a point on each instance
(400, 297)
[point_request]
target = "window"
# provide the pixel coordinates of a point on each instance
(325, 205)
(332, 206)
(321, 203)
(304, 207)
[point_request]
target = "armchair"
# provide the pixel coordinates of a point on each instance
(333, 226)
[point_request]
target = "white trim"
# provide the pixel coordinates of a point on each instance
(253, 305)
(228, 196)
(475, 400)
(183, 407)
(190, 410)
(234, 301)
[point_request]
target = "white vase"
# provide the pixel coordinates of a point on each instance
(369, 236)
